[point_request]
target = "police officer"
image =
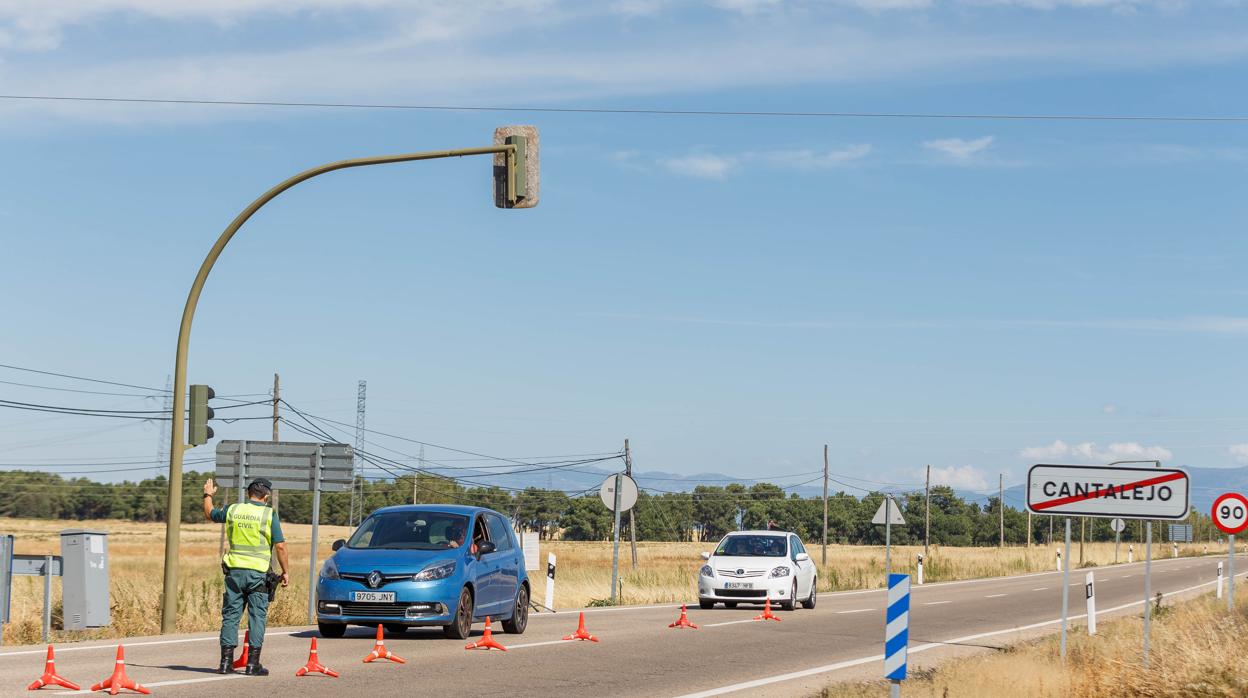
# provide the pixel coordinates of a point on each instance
(252, 529)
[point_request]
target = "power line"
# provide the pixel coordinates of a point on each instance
(643, 111)
(81, 378)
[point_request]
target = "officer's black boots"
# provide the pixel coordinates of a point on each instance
(227, 661)
(254, 667)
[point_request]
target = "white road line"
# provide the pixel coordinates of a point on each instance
(858, 610)
(993, 596)
(177, 682)
(733, 688)
(935, 603)
(728, 622)
(539, 644)
(1039, 588)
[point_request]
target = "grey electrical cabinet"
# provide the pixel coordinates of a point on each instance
(84, 581)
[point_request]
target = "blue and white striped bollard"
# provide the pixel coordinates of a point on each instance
(897, 628)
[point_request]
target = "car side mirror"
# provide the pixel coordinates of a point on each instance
(802, 557)
(338, 544)
(485, 547)
(706, 555)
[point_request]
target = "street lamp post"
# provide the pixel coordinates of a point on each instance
(518, 148)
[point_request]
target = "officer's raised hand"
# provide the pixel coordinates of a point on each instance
(210, 487)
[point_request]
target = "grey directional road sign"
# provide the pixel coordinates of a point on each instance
(290, 465)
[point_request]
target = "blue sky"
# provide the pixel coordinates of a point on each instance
(730, 293)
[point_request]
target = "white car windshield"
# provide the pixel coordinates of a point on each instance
(752, 546)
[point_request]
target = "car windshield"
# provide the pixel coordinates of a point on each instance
(411, 530)
(752, 546)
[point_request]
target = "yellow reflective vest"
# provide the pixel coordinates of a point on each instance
(249, 530)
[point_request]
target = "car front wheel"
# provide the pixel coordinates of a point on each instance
(334, 630)
(462, 625)
(706, 604)
(790, 603)
(520, 615)
(810, 602)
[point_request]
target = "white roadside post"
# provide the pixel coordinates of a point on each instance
(1130, 554)
(1109, 492)
(1230, 515)
(550, 581)
(1058, 557)
(1219, 579)
(919, 571)
(1089, 590)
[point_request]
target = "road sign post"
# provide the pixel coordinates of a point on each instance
(1148, 583)
(1230, 515)
(619, 493)
(888, 514)
(1065, 590)
(896, 631)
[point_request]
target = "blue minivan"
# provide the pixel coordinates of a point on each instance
(425, 565)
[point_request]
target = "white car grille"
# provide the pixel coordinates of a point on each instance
(739, 573)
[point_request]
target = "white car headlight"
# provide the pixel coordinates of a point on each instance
(708, 572)
(780, 571)
(441, 570)
(329, 570)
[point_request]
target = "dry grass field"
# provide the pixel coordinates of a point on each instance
(665, 572)
(1198, 649)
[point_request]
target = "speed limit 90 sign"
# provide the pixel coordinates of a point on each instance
(1230, 513)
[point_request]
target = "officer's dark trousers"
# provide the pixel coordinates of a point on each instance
(244, 587)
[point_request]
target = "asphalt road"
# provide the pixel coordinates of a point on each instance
(638, 654)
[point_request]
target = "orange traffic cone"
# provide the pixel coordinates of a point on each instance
(119, 680)
(380, 651)
(50, 677)
(767, 614)
(684, 620)
(486, 641)
(581, 633)
(242, 658)
(314, 664)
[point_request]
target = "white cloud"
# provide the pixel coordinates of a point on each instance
(702, 166)
(716, 166)
(1215, 324)
(1239, 452)
(1110, 409)
(1090, 452)
(963, 477)
(959, 148)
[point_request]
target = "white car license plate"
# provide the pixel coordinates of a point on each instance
(375, 596)
(739, 585)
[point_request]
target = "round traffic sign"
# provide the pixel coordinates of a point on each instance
(1230, 513)
(628, 492)
(1117, 525)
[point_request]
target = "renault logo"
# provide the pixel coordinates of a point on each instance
(374, 579)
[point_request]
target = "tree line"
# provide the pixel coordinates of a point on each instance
(704, 514)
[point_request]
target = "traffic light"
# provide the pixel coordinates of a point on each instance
(197, 430)
(516, 183)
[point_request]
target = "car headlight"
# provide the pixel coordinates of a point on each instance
(780, 571)
(441, 570)
(708, 572)
(329, 570)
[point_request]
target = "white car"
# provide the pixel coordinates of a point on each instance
(753, 566)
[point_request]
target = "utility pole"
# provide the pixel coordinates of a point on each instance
(927, 510)
(632, 522)
(277, 397)
(357, 482)
(825, 505)
(420, 465)
(1001, 507)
